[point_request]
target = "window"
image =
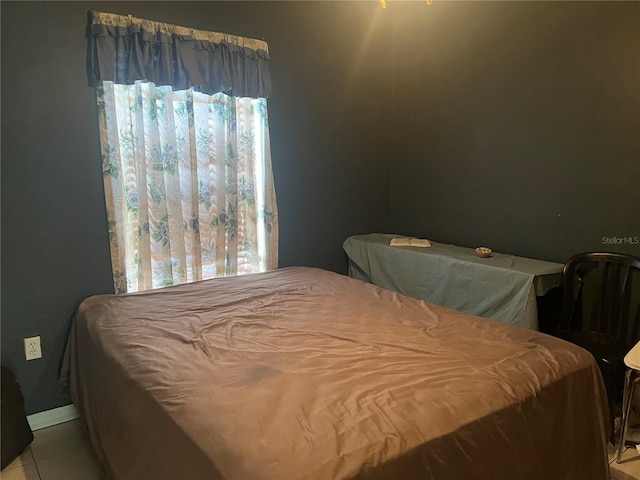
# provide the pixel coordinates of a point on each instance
(185, 151)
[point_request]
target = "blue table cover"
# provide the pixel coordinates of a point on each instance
(501, 287)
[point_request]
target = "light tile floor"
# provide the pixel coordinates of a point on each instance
(63, 452)
(629, 468)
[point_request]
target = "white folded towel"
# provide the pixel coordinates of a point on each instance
(409, 242)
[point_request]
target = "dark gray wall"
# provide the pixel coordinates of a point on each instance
(510, 124)
(516, 125)
(329, 151)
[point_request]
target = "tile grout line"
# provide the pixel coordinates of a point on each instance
(63, 452)
(37, 469)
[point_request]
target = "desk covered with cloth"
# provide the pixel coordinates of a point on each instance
(501, 287)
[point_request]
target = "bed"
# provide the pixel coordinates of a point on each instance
(301, 373)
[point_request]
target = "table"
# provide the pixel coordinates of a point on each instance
(501, 287)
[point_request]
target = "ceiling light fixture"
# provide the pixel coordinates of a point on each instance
(383, 3)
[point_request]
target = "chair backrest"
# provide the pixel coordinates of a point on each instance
(601, 294)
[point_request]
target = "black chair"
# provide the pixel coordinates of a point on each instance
(601, 313)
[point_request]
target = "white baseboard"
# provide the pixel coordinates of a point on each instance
(48, 418)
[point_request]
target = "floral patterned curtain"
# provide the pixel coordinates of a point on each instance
(185, 151)
(188, 184)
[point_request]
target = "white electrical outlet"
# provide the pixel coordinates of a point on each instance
(32, 348)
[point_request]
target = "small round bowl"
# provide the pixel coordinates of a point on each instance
(483, 252)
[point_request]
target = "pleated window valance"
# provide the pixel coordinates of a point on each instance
(123, 49)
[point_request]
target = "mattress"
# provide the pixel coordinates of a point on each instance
(301, 373)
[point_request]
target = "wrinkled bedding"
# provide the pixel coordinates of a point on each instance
(301, 373)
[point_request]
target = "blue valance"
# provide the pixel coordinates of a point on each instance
(123, 49)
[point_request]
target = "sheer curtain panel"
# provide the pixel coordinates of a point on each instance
(187, 167)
